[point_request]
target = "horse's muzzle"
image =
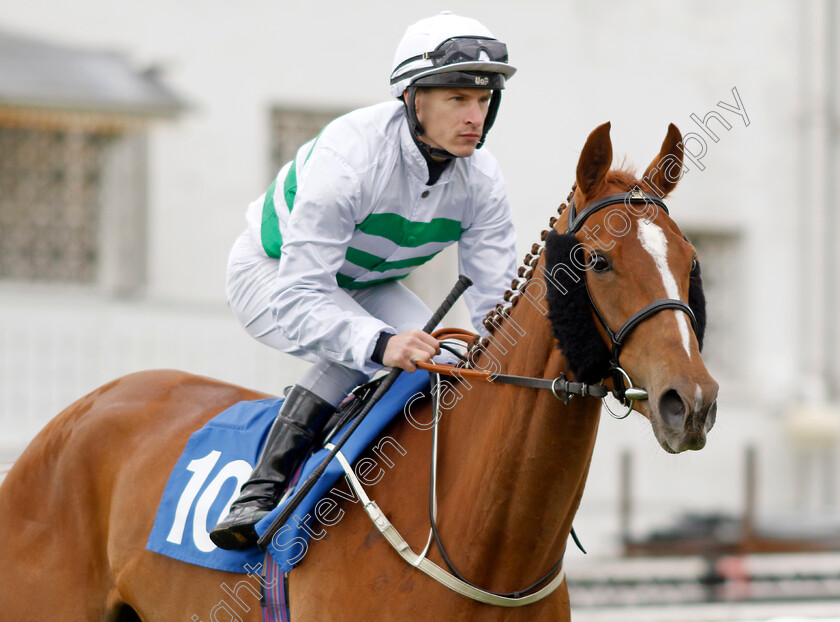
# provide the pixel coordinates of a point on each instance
(681, 419)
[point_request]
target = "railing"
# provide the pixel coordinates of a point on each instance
(753, 578)
(54, 350)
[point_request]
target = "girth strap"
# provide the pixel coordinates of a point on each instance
(422, 563)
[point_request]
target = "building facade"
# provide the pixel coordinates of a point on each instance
(115, 223)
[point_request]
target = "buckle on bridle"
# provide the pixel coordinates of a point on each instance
(566, 396)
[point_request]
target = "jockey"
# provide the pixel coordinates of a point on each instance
(379, 192)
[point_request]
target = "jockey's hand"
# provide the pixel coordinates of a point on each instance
(404, 349)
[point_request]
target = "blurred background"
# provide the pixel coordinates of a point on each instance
(134, 134)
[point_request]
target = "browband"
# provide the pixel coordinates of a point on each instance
(634, 196)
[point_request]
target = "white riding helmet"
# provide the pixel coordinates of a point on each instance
(450, 50)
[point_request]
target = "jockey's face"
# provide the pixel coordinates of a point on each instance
(452, 118)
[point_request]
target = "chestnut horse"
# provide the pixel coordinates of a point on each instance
(77, 507)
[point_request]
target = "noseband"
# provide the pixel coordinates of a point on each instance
(576, 221)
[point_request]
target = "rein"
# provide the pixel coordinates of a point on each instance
(562, 388)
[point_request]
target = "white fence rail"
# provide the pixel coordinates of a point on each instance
(55, 349)
(790, 582)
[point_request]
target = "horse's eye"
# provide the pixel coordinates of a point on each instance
(694, 264)
(600, 263)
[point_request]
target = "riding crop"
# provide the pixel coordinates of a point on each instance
(463, 283)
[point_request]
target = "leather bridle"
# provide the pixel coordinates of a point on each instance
(546, 585)
(617, 338)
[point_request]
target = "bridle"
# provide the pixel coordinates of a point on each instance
(562, 390)
(621, 392)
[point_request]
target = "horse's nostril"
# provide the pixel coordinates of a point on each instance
(712, 416)
(672, 409)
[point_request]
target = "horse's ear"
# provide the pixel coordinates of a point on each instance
(666, 169)
(595, 160)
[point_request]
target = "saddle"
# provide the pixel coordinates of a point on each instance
(219, 457)
(347, 411)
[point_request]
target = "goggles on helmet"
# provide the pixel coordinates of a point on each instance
(462, 49)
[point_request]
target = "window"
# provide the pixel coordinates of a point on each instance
(72, 204)
(49, 204)
(73, 164)
(718, 255)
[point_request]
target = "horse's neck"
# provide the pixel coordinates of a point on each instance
(519, 456)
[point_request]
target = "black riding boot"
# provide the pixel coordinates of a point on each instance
(301, 417)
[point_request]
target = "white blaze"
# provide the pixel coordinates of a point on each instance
(654, 242)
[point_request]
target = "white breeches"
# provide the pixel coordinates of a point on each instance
(250, 283)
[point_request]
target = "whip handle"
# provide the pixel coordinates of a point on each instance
(463, 283)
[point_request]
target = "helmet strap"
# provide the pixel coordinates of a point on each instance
(492, 111)
(417, 129)
(435, 165)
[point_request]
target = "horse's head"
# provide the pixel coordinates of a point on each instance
(628, 292)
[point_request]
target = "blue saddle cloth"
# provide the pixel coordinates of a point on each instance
(219, 458)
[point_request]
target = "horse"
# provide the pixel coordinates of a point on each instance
(77, 507)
